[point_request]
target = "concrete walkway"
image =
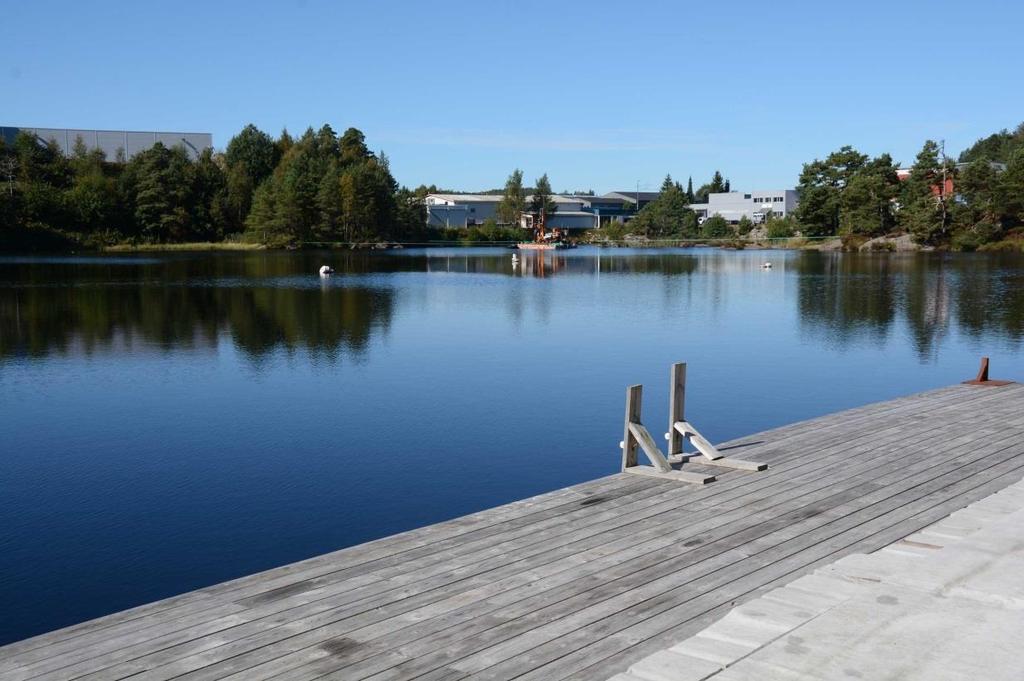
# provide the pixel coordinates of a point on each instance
(945, 603)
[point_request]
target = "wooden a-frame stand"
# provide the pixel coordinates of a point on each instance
(636, 436)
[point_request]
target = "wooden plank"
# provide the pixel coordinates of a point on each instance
(702, 445)
(646, 442)
(676, 407)
(679, 476)
(724, 462)
(634, 401)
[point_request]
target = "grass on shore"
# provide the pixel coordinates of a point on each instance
(194, 246)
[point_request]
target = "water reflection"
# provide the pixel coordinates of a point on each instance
(182, 303)
(264, 302)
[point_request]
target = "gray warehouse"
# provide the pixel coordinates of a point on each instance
(113, 141)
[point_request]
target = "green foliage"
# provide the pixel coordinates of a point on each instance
(253, 152)
(491, 231)
(867, 202)
(666, 216)
(781, 228)
(745, 226)
(820, 187)
(923, 213)
(542, 203)
(715, 227)
(513, 200)
(998, 147)
(319, 187)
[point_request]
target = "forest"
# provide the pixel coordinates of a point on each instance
(320, 187)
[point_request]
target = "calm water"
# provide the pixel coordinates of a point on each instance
(172, 421)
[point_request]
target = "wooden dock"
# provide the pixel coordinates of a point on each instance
(577, 583)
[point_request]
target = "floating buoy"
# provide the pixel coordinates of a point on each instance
(766, 266)
(326, 270)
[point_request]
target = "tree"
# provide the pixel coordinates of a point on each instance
(353, 147)
(821, 184)
(542, 204)
(689, 190)
(923, 203)
(666, 216)
(867, 202)
(717, 184)
(513, 201)
(254, 151)
(998, 147)
(1011, 188)
(159, 188)
(715, 227)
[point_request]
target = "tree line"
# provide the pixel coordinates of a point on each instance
(976, 202)
(318, 187)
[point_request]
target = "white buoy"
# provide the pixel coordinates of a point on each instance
(766, 266)
(326, 270)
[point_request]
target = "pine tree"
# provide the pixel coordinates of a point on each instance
(922, 203)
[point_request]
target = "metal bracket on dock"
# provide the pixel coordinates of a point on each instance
(635, 436)
(982, 377)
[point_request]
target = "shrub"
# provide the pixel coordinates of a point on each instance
(781, 228)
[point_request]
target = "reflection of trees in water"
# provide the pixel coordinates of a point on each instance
(270, 301)
(849, 296)
(846, 298)
(183, 304)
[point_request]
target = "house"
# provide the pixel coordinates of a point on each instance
(755, 206)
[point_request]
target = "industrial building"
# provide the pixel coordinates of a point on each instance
(755, 206)
(115, 144)
(464, 210)
(638, 198)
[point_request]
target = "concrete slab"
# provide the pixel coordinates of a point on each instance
(944, 604)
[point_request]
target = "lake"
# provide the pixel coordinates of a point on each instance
(174, 420)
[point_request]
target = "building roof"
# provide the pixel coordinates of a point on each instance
(496, 198)
(468, 198)
(630, 195)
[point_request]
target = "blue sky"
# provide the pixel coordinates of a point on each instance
(599, 95)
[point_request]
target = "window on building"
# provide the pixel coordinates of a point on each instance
(746, 196)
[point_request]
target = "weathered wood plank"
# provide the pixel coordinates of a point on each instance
(577, 580)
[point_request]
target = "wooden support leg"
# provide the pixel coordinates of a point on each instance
(634, 398)
(636, 436)
(676, 408)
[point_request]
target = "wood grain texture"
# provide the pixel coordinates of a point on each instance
(577, 583)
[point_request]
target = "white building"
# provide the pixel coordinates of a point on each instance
(755, 206)
(464, 210)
